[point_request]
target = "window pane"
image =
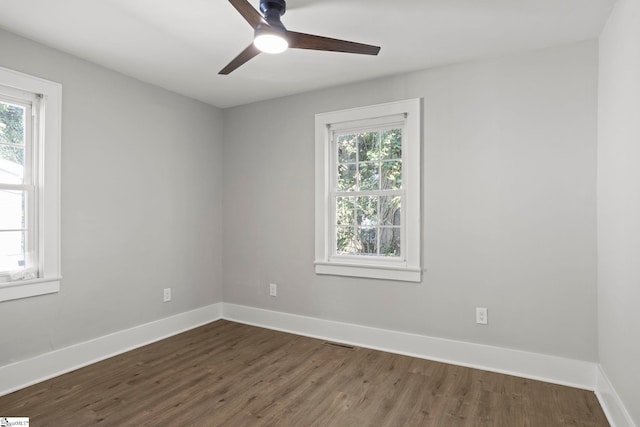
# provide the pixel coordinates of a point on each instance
(12, 250)
(369, 176)
(345, 210)
(391, 147)
(366, 241)
(368, 146)
(390, 241)
(346, 148)
(12, 131)
(345, 240)
(367, 210)
(347, 177)
(11, 164)
(392, 175)
(11, 124)
(390, 210)
(12, 209)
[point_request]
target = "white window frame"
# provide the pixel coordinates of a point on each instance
(46, 167)
(408, 266)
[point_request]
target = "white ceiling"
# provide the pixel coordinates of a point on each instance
(181, 45)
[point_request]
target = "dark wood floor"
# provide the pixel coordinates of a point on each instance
(228, 374)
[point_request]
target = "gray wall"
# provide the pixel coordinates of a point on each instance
(509, 205)
(619, 203)
(141, 195)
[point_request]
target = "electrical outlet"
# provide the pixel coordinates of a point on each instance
(273, 289)
(482, 316)
(167, 295)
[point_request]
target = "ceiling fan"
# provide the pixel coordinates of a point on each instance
(271, 36)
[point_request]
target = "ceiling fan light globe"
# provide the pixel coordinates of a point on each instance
(270, 43)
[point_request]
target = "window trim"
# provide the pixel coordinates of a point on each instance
(48, 159)
(408, 269)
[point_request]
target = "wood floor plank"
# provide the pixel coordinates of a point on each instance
(229, 374)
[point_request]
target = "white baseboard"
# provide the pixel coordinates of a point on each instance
(552, 369)
(611, 403)
(40, 368)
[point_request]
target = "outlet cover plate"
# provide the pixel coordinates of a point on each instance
(482, 316)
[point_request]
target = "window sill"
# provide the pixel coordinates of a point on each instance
(29, 288)
(371, 271)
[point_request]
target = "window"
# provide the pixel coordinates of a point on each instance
(368, 192)
(29, 185)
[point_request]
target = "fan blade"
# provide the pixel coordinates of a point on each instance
(309, 41)
(247, 11)
(244, 56)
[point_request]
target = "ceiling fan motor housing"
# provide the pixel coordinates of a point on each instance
(272, 10)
